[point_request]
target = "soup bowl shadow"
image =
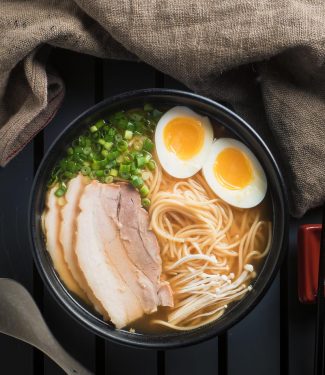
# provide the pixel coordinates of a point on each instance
(162, 98)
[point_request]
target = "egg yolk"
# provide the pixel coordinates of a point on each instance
(184, 136)
(233, 169)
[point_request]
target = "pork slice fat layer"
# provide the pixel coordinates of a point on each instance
(52, 222)
(69, 213)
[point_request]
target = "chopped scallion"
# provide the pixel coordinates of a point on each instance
(141, 161)
(108, 179)
(151, 165)
(144, 191)
(148, 145)
(59, 192)
(146, 202)
(137, 181)
(113, 172)
(128, 134)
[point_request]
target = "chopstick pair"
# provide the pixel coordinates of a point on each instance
(319, 367)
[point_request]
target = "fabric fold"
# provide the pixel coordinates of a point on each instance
(264, 59)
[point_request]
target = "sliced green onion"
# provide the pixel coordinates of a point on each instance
(95, 166)
(102, 151)
(113, 172)
(128, 158)
(130, 126)
(100, 173)
(151, 165)
(78, 150)
(122, 145)
(147, 157)
(125, 176)
(118, 137)
(146, 202)
(136, 181)
(141, 161)
(148, 145)
(112, 155)
(120, 159)
(100, 123)
(86, 150)
(128, 134)
(59, 192)
(82, 141)
(108, 179)
(144, 191)
(70, 151)
(124, 168)
(85, 170)
(108, 145)
(122, 123)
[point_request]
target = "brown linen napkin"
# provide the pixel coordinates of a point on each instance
(265, 58)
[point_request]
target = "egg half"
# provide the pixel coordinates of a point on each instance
(234, 173)
(183, 139)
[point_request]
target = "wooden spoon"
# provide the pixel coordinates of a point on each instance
(21, 318)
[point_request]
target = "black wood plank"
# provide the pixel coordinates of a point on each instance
(122, 360)
(254, 343)
(194, 360)
(78, 74)
(121, 76)
(15, 254)
(301, 322)
(171, 83)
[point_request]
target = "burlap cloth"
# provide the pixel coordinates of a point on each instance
(265, 58)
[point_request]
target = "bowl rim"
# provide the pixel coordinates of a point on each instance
(178, 339)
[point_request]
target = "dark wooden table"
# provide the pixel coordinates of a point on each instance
(277, 337)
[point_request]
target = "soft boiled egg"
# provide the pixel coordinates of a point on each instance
(234, 173)
(183, 139)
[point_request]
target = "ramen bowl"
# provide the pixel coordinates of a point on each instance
(232, 123)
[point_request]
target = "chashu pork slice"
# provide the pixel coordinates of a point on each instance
(123, 287)
(52, 223)
(69, 213)
(141, 243)
(109, 287)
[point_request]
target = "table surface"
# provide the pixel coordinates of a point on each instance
(277, 337)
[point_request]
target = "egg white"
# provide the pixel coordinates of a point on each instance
(169, 161)
(247, 197)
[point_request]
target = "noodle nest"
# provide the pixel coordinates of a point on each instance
(208, 247)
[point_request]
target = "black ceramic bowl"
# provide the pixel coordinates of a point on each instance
(223, 116)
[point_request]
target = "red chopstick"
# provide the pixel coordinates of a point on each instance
(319, 368)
